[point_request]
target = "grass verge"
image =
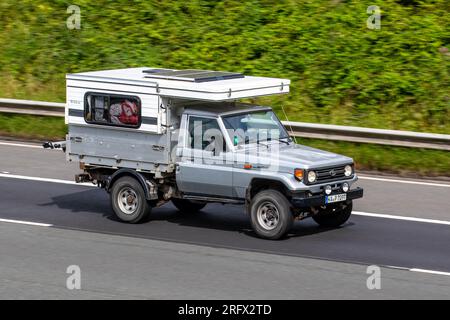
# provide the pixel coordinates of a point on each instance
(32, 127)
(397, 160)
(389, 159)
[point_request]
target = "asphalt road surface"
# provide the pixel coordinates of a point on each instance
(401, 225)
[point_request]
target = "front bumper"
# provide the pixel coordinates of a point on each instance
(319, 200)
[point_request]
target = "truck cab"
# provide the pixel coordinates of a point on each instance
(152, 136)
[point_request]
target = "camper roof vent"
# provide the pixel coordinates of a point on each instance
(192, 75)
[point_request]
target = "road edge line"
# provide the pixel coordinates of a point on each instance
(21, 177)
(441, 273)
(394, 217)
(431, 184)
(30, 223)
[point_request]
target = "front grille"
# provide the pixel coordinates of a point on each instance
(330, 174)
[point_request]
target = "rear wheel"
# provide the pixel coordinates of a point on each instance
(188, 206)
(335, 216)
(271, 215)
(128, 200)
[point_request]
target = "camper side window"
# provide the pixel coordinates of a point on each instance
(115, 110)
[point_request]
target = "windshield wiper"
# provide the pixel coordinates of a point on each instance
(280, 139)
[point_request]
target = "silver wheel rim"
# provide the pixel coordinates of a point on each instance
(128, 200)
(268, 215)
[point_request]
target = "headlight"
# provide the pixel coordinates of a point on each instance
(348, 170)
(312, 176)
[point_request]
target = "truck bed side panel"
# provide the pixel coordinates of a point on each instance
(118, 147)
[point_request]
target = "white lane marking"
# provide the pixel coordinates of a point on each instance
(433, 184)
(11, 144)
(14, 176)
(27, 223)
(33, 146)
(390, 216)
(441, 273)
(399, 268)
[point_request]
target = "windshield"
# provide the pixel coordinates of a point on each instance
(254, 127)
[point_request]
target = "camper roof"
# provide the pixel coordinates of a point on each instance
(189, 83)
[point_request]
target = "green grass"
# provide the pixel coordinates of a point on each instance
(398, 160)
(32, 127)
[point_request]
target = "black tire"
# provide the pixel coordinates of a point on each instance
(188, 206)
(333, 217)
(262, 214)
(120, 202)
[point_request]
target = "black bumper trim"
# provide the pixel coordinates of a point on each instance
(319, 200)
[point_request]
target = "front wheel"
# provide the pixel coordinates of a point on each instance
(271, 215)
(128, 200)
(333, 217)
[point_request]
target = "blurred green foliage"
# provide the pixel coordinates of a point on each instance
(343, 73)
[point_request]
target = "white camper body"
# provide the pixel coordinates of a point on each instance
(153, 99)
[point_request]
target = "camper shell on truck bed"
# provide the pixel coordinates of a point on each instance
(155, 99)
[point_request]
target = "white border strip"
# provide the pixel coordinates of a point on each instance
(27, 223)
(390, 216)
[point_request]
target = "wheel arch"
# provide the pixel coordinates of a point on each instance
(125, 172)
(259, 184)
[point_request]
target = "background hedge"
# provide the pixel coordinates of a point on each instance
(342, 72)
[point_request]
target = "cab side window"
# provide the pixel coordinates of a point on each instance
(205, 134)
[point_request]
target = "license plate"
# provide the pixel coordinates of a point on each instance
(336, 198)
